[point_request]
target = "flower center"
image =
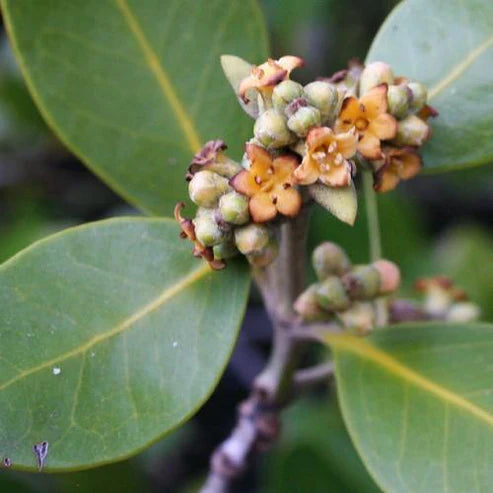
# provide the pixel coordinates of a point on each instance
(361, 123)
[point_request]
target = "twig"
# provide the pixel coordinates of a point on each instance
(308, 377)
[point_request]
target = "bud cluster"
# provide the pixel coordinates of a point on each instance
(222, 227)
(303, 135)
(444, 301)
(344, 290)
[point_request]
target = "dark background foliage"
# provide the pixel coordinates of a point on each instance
(432, 224)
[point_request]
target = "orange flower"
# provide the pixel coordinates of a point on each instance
(266, 76)
(269, 184)
(326, 158)
(398, 164)
(199, 250)
(369, 116)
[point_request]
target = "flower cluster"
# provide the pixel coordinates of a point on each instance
(303, 135)
(222, 227)
(441, 300)
(345, 292)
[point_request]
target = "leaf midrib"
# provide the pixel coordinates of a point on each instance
(459, 69)
(365, 350)
(150, 307)
(155, 66)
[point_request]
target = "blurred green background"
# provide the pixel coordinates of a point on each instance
(432, 224)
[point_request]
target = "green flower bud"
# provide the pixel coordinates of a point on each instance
(329, 259)
(398, 100)
(225, 250)
(332, 296)
(265, 256)
(362, 283)
(419, 96)
(373, 75)
(412, 131)
(360, 317)
(233, 207)
(307, 305)
(252, 239)
(463, 312)
(271, 130)
(284, 93)
(303, 120)
(323, 95)
(206, 187)
(208, 231)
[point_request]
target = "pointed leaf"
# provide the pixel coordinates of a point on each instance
(135, 87)
(447, 45)
(418, 403)
(342, 202)
(236, 69)
(112, 335)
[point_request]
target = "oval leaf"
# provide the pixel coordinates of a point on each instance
(112, 335)
(342, 202)
(418, 403)
(448, 45)
(135, 87)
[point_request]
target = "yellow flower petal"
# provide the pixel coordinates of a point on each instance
(262, 207)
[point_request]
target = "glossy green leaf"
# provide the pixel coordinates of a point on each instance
(315, 453)
(112, 335)
(135, 87)
(418, 402)
(448, 45)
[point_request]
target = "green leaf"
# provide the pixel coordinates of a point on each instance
(418, 404)
(447, 45)
(315, 453)
(341, 202)
(112, 335)
(135, 87)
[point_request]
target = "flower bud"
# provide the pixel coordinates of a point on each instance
(373, 75)
(284, 93)
(252, 238)
(323, 95)
(412, 131)
(208, 231)
(225, 250)
(362, 283)
(265, 256)
(332, 296)
(419, 95)
(398, 100)
(206, 187)
(359, 317)
(303, 120)
(271, 130)
(463, 312)
(233, 207)
(390, 276)
(307, 305)
(329, 259)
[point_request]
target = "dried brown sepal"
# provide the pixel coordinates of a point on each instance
(398, 164)
(205, 157)
(428, 112)
(443, 282)
(199, 250)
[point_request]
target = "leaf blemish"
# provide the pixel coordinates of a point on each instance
(40, 451)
